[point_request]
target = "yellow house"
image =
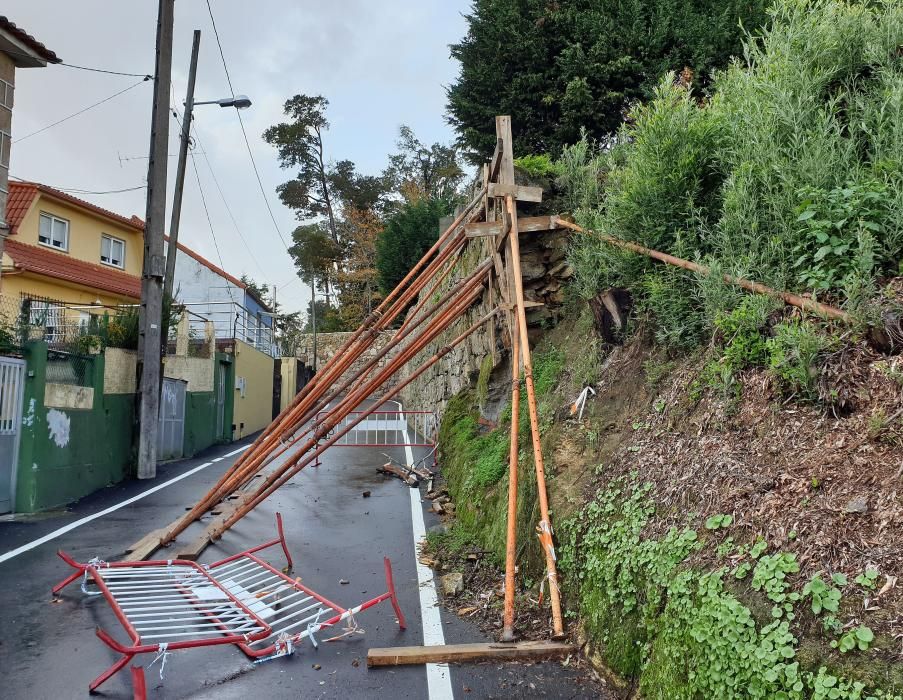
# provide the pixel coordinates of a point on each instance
(67, 257)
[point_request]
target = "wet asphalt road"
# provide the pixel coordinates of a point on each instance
(49, 650)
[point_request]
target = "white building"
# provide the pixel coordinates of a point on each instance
(211, 293)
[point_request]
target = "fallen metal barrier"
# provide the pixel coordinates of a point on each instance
(167, 605)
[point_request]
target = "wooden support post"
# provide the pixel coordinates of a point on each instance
(457, 653)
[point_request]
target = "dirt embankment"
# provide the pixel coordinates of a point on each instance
(824, 488)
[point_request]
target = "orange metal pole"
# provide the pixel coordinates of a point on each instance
(354, 398)
(511, 539)
(788, 298)
(284, 475)
(545, 525)
(250, 462)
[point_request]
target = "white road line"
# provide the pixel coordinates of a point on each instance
(438, 677)
(78, 523)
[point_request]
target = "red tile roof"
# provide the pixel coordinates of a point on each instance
(209, 265)
(22, 194)
(29, 41)
(43, 261)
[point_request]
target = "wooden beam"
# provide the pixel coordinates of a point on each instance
(146, 546)
(524, 225)
(192, 551)
(521, 193)
(457, 653)
(527, 305)
(495, 163)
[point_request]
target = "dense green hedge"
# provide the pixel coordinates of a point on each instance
(790, 173)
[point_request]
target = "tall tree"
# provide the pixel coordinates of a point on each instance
(257, 289)
(418, 170)
(315, 255)
(408, 235)
(559, 67)
(357, 191)
(358, 276)
(299, 144)
(289, 330)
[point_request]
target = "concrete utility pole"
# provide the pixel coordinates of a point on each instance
(184, 142)
(154, 265)
(313, 321)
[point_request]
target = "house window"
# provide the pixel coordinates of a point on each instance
(112, 251)
(6, 94)
(54, 232)
(5, 143)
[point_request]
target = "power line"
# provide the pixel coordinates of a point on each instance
(146, 76)
(203, 152)
(219, 255)
(244, 133)
(78, 190)
(81, 111)
(72, 190)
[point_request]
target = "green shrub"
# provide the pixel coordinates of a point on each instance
(840, 229)
(791, 172)
(540, 166)
(742, 333)
(793, 354)
(669, 296)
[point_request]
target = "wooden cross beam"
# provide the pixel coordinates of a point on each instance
(521, 193)
(524, 225)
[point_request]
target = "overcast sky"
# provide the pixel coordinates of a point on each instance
(380, 63)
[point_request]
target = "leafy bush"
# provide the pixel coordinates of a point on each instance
(790, 172)
(742, 333)
(840, 229)
(540, 165)
(793, 354)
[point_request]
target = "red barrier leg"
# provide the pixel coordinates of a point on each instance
(65, 582)
(79, 570)
(138, 685)
(390, 582)
(112, 671)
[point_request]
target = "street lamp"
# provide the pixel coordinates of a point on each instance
(237, 101)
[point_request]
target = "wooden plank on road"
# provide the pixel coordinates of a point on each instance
(199, 544)
(457, 653)
(144, 547)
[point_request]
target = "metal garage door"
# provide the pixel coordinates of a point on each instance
(12, 374)
(171, 427)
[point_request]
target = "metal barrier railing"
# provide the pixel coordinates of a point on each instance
(384, 429)
(231, 320)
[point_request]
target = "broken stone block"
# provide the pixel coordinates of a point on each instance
(859, 504)
(451, 584)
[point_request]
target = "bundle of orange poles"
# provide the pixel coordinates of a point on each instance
(290, 428)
